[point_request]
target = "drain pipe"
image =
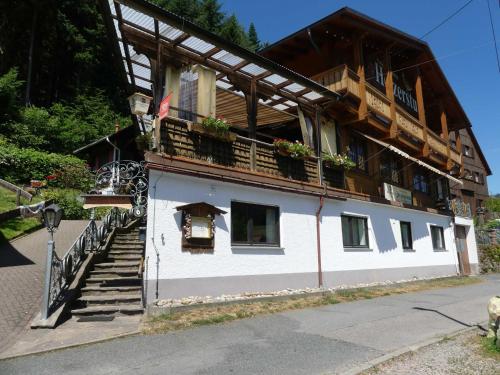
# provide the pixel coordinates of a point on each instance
(153, 237)
(318, 240)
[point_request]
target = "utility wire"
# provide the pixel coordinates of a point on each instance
(447, 19)
(493, 32)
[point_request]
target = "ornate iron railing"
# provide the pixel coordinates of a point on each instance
(459, 207)
(63, 269)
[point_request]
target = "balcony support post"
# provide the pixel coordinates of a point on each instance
(458, 140)
(318, 146)
(421, 112)
(389, 92)
(359, 63)
(156, 77)
(445, 134)
(251, 101)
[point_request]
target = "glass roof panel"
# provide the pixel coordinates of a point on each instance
(275, 79)
(281, 107)
(313, 95)
(197, 44)
(294, 87)
(227, 58)
(223, 84)
(137, 18)
(168, 31)
(253, 69)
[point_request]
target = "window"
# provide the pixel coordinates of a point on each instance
(437, 238)
(421, 181)
(467, 150)
(355, 231)
(468, 174)
(253, 224)
(406, 238)
(391, 169)
(357, 153)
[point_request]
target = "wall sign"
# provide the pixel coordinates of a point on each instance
(395, 193)
(400, 93)
(198, 226)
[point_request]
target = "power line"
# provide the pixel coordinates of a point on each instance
(447, 19)
(493, 32)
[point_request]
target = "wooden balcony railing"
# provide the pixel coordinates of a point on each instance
(378, 101)
(339, 79)
(409, 124)
(437, 143)
(455, 156)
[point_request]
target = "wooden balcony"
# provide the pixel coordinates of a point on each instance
(411, 132)
(340, 79)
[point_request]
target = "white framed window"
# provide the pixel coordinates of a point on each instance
(437, 235)
(355, 232)
(254, 224)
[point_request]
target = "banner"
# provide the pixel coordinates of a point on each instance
(165, 106)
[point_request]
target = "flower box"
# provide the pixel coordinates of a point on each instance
(221, 135)
(338, 162)
(295, 150)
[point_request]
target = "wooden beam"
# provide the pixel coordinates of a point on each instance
(421, 112)
(359, 63)
(251, 101)
(389, 92)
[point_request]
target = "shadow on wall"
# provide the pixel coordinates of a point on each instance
(384, 236)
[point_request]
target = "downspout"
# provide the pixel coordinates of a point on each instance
(318, 240)
(153, 238)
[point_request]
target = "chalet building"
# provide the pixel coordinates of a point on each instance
(249, 209)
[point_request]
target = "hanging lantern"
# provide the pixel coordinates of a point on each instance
(139, 103)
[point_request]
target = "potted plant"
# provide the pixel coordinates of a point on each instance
(295, 150)
(143, 141)
(338, 161)
(215, 128)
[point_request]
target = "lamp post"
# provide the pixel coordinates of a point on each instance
(52, 216)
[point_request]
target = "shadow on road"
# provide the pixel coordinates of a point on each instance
(451, 318)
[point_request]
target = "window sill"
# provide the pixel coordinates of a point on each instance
(356, 249)
(256, 247)
(440, 250)
(409, 250)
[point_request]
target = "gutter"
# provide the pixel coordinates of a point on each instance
(318, 240)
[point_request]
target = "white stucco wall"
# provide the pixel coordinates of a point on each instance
(471, 238)
(298, 252)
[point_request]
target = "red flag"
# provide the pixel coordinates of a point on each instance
(165, 106)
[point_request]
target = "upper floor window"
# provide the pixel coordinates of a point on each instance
(467, 151)
(391, 169)
(358, 152)
(421, 181)
(468, 174)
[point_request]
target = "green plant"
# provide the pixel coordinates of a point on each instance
(217, 125)
(492, 224)
(296, 150)
(489, 258)
(143, 141)
(339, 160)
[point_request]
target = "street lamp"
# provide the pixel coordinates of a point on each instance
(52, 216)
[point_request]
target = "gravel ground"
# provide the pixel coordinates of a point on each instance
(459, 355)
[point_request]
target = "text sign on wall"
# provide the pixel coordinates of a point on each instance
(201, 227)
(394, 193)
(403, 95)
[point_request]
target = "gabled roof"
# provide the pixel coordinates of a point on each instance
(373, 26)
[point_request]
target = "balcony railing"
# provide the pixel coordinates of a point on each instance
(437, 143)
(378, 101)
(409, 124)
(339, 79)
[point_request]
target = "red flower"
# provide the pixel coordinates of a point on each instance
(51, 177)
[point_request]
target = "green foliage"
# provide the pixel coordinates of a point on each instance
(489, 258)
(492, 204)
(339, 160)
(20, 165)
(492, 224)
(18, 226)
(210, 17)
(218, 125)
(69, 201)
(234, 32)
(9, 87)
(296, 150)
(254, 43)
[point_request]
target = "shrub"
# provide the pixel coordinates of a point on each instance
(20, 165)
(69, 201)
(489, 258)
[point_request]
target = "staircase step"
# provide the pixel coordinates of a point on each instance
(124, 257)
(113, 281)
(128, 241)
(117, 264)
(111, 272)
(111, 299)
(109, 309)
(110, 290)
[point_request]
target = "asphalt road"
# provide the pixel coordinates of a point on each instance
(329, 339)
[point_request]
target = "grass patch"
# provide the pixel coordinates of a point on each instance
(8, 200)
(13, 228)
(488, 348)
(206, 315)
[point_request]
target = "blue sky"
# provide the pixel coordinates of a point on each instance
(463, 46)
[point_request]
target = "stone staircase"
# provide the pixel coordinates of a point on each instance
(114, 286)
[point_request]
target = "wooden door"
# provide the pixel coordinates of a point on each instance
(463, 254)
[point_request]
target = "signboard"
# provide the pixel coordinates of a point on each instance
(395, 193)
(404, 96)
(201, 227)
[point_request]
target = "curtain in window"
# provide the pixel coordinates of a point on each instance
(188, 95)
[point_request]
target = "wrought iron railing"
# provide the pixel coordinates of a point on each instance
(63, 269)
(459, 207)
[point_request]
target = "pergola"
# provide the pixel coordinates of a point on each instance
(250, 89)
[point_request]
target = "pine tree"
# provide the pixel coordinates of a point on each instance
(210, 17)
(188, 9)
(234, 32)
(253, 38)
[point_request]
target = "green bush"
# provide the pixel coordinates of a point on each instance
(20, 165)
(489, 258)
(69, 201)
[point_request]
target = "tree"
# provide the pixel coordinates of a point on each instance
(253, 39)
(233, 31)
(210, 17)
(188, 9)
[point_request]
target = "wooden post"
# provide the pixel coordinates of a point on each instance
(458, 141)
(156, 75)
(445, 135)
(421, 112)
(359, 63)
(318, 146)
(389, 92)
(251, 101)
